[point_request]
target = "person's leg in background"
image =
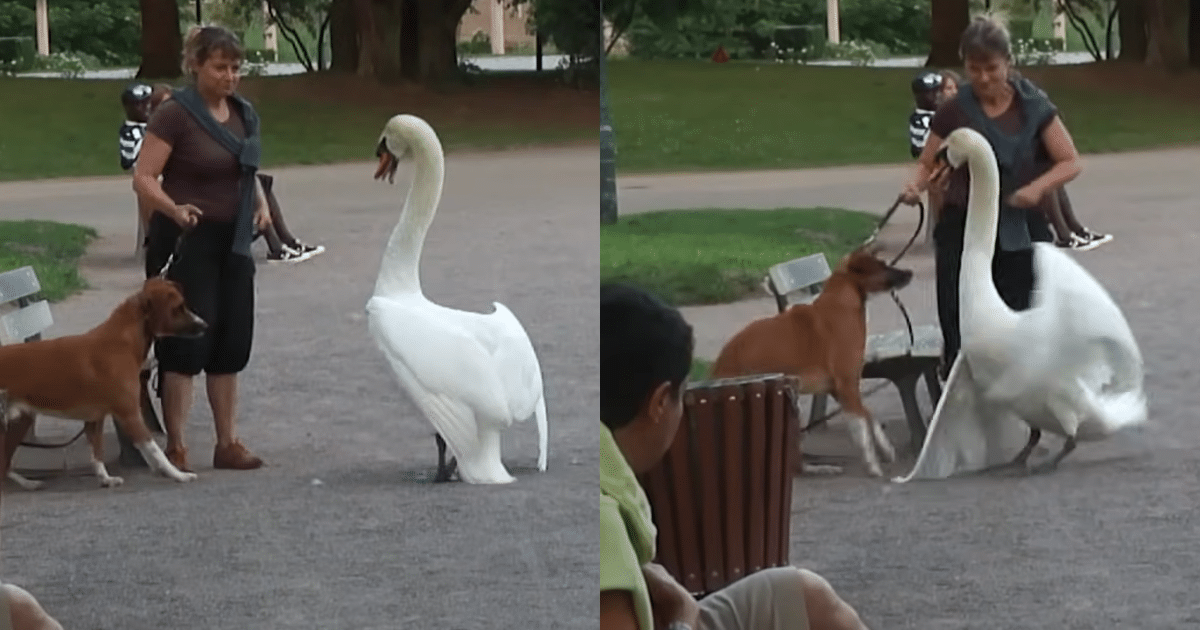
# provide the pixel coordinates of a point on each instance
(1089, 239)
(284, 234)
(782, 598)
(1064, 235)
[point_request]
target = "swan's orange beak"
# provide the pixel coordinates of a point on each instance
(387, 166)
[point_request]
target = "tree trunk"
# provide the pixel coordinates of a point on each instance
(391, 40)
(161, 40)
(343, 37)
(1131, 24)
(437, 45)
(948, 20)
(1193, 39)
(1168, 43)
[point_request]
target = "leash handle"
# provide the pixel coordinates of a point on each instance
(174, 257)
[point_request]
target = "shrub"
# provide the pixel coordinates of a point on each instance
(17, 54)
(110, 31)
(771, 28)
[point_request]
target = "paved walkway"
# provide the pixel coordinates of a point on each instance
(1107, 541)
(342, 530)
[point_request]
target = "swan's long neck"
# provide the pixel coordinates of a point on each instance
(978, 296)
(399, 271)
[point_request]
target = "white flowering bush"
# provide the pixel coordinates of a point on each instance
(70, 65)
(858, 53)
(1033, 52)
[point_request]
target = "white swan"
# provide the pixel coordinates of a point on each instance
(1069, 365)
(471, 374)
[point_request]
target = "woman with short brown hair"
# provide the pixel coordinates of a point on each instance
(1036, 156)
(204, 142)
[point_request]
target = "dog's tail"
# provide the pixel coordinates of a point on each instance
(542, 429)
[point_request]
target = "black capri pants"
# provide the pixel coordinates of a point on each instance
(1012, 272)
(218, 285)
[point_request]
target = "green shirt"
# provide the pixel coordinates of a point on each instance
(627, 532)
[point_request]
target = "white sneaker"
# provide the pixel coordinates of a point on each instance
(1092, 241)
(309, 250)
(288, 255)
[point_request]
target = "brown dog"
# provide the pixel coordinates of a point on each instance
(821, 345)
(94, 375)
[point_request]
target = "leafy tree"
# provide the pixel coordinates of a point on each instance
(108, 31)
(294, 19)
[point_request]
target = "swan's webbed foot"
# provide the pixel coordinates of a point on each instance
(1035, 436)
(1019, 462)
(444, 471)
(1051, 465)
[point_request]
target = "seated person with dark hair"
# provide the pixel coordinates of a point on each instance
(645, 357)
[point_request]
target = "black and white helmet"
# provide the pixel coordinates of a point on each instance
(925, 82)
(135, 93)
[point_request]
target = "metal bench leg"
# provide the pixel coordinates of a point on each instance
(818, 409)
(934, 386)
(912, 411)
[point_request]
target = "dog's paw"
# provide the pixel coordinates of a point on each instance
(887, 451)
(822, 470)
(111, 482)
(874, 470)
(185, 477)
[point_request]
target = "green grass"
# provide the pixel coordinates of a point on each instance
(696, 115)
(53, 249)
(700, 370)
(64, 128)
(711, 256)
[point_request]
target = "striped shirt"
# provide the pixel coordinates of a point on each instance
(130, 136)
(918, 130)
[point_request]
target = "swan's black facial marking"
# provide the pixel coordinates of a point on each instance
(387, 162)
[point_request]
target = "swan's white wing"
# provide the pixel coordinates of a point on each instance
(443, 367)
(965, 433)
(1074, 294)
(506, 342)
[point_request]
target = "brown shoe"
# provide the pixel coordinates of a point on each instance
(235, 457)
(178, 458)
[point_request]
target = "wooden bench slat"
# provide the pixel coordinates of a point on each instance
(19, 325)
(18, 283)
(894, 343)
(805, 276)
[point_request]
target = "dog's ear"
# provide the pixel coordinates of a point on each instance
(155, 309)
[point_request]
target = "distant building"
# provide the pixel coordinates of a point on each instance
(506, 29)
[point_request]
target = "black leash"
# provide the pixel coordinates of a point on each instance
(175, 253)
(813, 423)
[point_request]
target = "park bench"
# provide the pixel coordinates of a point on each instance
(27, 321)
(721, 496)
(891, 355)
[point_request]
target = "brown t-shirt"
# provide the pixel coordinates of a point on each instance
(950, 116)
(199, 170)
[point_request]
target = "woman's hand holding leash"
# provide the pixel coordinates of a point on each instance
(187, 215)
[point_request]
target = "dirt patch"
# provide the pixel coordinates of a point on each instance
(1119, 76)
(525, 98)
